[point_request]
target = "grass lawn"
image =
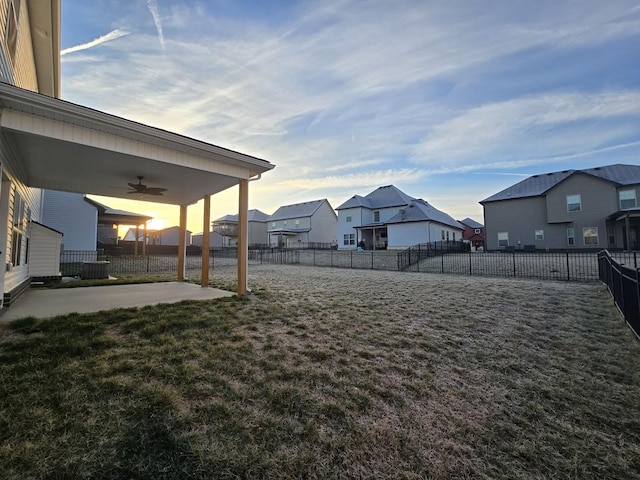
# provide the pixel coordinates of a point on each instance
(328, 373)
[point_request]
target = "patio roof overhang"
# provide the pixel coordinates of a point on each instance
(68, 147)
(624, 214)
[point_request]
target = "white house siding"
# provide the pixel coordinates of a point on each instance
(44, 251)
(21, 72)
(404, 235)
(348, 228)
(72, 215)
(324, 225)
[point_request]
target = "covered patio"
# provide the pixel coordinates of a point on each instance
(62, 146)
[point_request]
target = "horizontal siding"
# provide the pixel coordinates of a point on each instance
(25, 67)
(44, 253)
(70, 214)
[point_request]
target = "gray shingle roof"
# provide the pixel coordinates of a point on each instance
(421, 211)
(536, 185)
(382, 197)
(298, 210)
(470, 222)
(254, 215)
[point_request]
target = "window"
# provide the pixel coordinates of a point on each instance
(503, 239)
(376, 216)
(21, 214)
(611, 232)
(12, 29)
(442, 232)
(539, 234)
(285, 222)
(348, 219)
(349, 239)
(571, 236)
(273, 224)
(454, 236)
(574, 203)
(447, 235)
(590, 235)
(627, 199)
(476, 231)
(297, 222)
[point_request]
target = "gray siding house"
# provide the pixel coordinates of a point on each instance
(594, 208)
(389, 218)
(227, 228)
(303, 225)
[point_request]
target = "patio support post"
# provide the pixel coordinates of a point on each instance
(628, 235)
(243, 238)
(206, 225)
(182, 243)
(144, 238)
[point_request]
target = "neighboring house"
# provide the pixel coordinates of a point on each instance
(594, 208)
(215, 240)
(389, 218)
(85, 223)
(303, 225)
(227, 227)
(166, 236)
(473, 233)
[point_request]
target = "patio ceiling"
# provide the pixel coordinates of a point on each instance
(67, 147)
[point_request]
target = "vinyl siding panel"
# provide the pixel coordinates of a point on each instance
(44, 252)
(519, 217)
(70, 214)
(599, 200)
(324, 225)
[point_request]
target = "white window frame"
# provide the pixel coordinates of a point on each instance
(594, 233)
(571, 236)
(630, 195)
(476, 231)
(11, 29)
(503, 239)
(572, 201)
(349, 239)
(539, 234)
(376, 215)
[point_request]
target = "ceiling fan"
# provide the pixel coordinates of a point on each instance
(141, 189)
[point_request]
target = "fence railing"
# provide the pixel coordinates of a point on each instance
(567, 266)
(623, 284)
(417, 253)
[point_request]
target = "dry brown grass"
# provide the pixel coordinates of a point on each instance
(328, 373)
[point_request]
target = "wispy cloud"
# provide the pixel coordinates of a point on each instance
(112, 35)
(152, 5)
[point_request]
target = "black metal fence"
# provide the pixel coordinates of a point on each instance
(623, 284)
(567, 266)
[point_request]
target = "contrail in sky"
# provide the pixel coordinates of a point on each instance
(117, 33)
(153, 8)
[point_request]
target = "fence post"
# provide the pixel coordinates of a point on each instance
(470, 272)
(371, 259)
(442, 261)
(568, 271)
(351, 258)
(398, 259)
(314, 258)
(147, 263)
(514, 263)
(635, 260)
(331, 258)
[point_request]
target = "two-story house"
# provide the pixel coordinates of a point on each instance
(473, 233)
(389, 218)
(227, 228)
(594, 208)
(303, 225)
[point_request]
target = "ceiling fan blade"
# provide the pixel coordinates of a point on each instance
(154, 193)
(154, 190)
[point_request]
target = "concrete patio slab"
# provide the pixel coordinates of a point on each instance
(45, 303)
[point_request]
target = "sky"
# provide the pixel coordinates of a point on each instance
(448, 101)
